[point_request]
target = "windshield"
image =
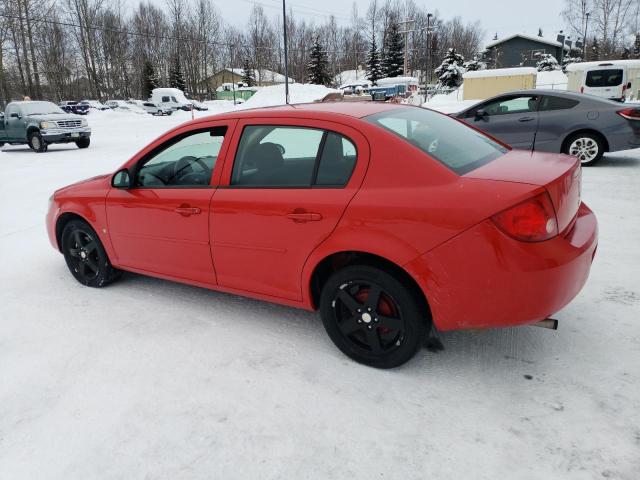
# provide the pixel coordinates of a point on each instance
(39, 108)
(604, 78)
(449, 141)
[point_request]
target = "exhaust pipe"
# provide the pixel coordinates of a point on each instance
(551, 323)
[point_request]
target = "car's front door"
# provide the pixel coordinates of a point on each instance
(15, 123)
(284, 188)
(161, 224)
(512, 119)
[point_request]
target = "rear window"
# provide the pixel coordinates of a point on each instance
(458, 147)
(604, 78)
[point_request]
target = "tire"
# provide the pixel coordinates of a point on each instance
(382, 333)
(37, 143)
(587, 147)
(83, 143)
(85, 256)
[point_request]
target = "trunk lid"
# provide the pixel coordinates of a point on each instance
(559, 174)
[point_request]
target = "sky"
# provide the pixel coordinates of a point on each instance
(503, 17)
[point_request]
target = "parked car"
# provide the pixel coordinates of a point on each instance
(612, 79)
(389, 219)
(39, 124)
(201, 107)
(74, 107)
(124, 106)
(561, 122)
(171, 97)
(95, 104)
(156, 109)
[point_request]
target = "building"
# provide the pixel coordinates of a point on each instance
(519, 50)
(234, 75)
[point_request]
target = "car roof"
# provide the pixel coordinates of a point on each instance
(315, 110)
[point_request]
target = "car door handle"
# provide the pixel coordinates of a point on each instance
(186, 211)
(304, 217)
(526, 119)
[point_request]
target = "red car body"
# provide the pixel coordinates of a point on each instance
(399, 205)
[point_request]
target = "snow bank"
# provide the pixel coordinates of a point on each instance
(397, 80)
(501, 72)
(554, 80)
(298, 93)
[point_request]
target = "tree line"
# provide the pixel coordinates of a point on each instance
(72, 49)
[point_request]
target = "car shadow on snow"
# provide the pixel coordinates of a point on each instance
(505, 351)
(20, 149)
(627, 158)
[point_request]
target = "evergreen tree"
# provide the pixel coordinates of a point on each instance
(626, 54)
(574, 56)
(149, 79)
(495, 37)
(546, 62)
(393, 58)
(540, 32)
(318, 66)
(373, 68)
(247, 73)
(474, 65)
(176, 79)
(636, 46)
(451, 69)
(595, 49)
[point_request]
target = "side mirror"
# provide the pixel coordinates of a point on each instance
(629, 86)
(121, 179)
(14, 115)
(481, 113)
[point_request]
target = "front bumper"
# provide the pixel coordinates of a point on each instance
(64, 135)
(483, 278)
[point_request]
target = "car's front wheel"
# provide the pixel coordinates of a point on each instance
(85, 256)
(37, 143)
(588, 147)
(83, 142)
(372, 317)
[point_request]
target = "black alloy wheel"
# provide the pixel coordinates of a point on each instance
(371, 316)
(85, 256)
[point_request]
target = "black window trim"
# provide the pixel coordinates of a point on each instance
(163, 146)
(316, 165)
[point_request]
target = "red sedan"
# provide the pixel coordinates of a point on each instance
(388, 219)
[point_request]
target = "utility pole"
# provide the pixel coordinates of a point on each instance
(406, 42)
(584, 47)
(286, 52)
(427, 75)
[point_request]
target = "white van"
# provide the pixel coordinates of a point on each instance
(170, 97)
(615, 79)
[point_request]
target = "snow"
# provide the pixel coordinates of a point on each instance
(553, 80)
(397, 81)
(351, 77)
(298, 93)
(501, 72)
(262, 75)
(534, 38)
(152, 379)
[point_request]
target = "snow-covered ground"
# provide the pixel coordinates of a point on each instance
(153, 379)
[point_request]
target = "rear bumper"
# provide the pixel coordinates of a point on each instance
(482, 278)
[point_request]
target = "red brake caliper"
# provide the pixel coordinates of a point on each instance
(385, 307)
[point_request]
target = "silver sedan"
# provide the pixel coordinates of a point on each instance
(554, 121)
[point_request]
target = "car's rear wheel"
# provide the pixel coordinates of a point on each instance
(83, 143)
(85, 256)
(372, 317)
(588, 147)
(37, 143)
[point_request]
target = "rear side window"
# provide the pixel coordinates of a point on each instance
(271, 156)
(557, 103)
(165, 99)
(604, 78)
(449, 141)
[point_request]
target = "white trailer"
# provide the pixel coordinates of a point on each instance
(612, 79)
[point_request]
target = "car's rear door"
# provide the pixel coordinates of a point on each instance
(512, 119)
(558, 116)
(161, 224)
(286, 183)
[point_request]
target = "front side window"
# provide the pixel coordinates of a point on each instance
(185, 161)
(449, 141)
(271, 156)
(604, 78)
(522, 104)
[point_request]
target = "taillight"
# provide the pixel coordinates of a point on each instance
(630, 113)
(533, 220)
(581, 89)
